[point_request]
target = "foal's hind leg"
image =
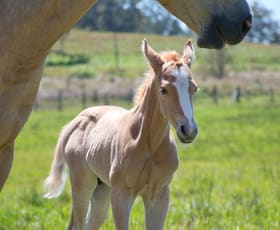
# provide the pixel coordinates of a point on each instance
(83, 182)
(100, 202)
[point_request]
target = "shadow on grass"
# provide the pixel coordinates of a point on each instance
(61, 58)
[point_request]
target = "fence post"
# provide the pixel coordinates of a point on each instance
(214, 94)
(94, 96)
(106, 99)
(60, 100)
(84, 98)
(236, 94)
(271, 95)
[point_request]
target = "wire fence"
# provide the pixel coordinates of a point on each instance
(62, 99)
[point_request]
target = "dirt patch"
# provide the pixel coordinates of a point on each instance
(116, 87)
(267, 79)
(113, 87)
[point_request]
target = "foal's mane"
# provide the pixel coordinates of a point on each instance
(166, 56)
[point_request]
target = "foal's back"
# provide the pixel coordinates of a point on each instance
(91, 124)
(89, 133)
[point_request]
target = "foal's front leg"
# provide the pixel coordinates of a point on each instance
(156, 208)
(100, 202)
(122, 201)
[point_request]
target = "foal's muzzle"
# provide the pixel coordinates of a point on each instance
(186, 131)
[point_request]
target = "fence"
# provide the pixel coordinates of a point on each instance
(85, 98)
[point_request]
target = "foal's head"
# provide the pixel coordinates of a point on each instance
(175, 88)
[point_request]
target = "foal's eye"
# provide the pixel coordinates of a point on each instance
(163, 90)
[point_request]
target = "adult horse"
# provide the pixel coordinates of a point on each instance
(114, 154)
(28, 29)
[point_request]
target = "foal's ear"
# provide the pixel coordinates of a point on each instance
(152, 56)
(188, 54)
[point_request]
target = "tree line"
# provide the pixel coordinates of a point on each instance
(139, 16)
(265, 29)
(144, 16)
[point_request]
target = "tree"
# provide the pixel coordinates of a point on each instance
(218, 61)
(130, 16)
(265, 28)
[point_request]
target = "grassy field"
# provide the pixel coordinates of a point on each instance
(228, 179)
(87, 54)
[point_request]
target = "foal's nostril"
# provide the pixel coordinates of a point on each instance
(246, 25)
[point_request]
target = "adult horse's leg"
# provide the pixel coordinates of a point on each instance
(100, 202)
(83, 182)
(6, 160)
(71, 223)
(156, 209)
(121, 200)
(16, 102)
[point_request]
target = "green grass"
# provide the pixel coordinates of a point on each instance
(228, 179)
(95, 52)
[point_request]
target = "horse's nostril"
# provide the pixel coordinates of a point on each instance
(183, 130)
(246, 25)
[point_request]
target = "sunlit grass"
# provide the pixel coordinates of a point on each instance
(99, 50)
(228, 179)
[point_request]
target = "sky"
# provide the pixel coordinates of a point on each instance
(273, 5)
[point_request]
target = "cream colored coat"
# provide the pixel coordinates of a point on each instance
(28, 29)
(114, 155)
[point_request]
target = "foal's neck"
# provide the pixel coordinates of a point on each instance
(154, 126)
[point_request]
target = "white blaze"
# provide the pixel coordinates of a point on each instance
(182, 86)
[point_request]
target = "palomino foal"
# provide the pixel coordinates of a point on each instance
(114, 154)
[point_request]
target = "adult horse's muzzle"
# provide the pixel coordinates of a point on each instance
(186, 131)
(224, 30)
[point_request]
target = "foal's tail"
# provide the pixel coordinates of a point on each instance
(55, 182)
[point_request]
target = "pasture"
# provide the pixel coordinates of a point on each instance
(89, 54)
(228, 179)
